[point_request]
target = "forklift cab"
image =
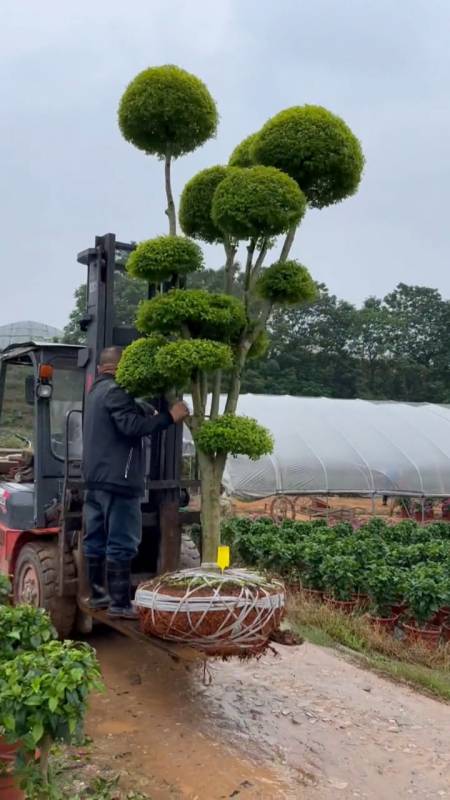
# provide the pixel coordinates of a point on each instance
(40, 386)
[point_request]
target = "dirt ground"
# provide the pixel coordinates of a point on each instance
(303, 724)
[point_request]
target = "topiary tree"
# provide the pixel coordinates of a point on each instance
(167, 112)
(200, 339)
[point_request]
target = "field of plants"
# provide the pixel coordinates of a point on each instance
(399, 575)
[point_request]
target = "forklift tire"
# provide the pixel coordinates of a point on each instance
(189, 555)
(35, 583)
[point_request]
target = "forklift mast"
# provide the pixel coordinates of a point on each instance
(103, 262)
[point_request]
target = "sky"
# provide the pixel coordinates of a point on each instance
(68, 175)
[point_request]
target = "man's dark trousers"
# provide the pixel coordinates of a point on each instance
(113, 526)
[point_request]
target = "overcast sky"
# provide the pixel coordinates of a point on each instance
(383, 65)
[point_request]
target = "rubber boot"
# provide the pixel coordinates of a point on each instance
(99, 597)
(119, 589)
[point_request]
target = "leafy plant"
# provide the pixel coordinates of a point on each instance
(426, 591)
(386, 587)
(23, 628)
(43, 697)
(5, 589)
(340, 575)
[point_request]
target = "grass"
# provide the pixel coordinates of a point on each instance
(426, 670)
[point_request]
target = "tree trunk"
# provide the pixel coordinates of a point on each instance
(170, 211)
(211, 471)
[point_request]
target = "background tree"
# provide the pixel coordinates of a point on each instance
(203, 337)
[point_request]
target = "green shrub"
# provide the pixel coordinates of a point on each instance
(287, 283)
(243, 153)
(5, 589)
(157, 260)
(137, 372)
(23, 628)
(234, 435)
(426, 591)
(316, 148)
(386, 587)
(220, 317)
(340, 576)
(177, 361)
(260, 201)
(167, 111)
(196, 204)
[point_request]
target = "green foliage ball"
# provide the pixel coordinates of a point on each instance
(259, 201)
(243, 154)
(287, 283)
(208, 316)
(235, 435)
(178, 361)
(167, 111)
(317, 149)
(137, 373)
(195, 205)
(156, 260)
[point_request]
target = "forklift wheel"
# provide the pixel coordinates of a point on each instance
(35, 583)
(189, 555)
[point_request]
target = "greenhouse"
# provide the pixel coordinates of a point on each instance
(344, 447)
(27, 332)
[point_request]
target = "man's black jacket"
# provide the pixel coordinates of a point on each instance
(113, 427)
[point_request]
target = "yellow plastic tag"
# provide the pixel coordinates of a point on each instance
(223, 557)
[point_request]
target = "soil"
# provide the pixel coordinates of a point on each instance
(303, 724)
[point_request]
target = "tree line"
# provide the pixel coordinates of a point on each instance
(396, 347)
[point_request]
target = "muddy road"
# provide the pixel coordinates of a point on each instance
(305, 724)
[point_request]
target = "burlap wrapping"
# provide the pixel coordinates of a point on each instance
(223, 615)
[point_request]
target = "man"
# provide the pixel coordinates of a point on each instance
(113, 467)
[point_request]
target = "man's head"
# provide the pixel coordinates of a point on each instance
(109, 360)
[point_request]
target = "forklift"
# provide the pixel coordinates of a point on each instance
(42, 390)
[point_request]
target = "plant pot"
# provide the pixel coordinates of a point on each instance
(387, 624)
(9, 790)
(362, 601)
(220, 614)
(398, 609)
(313, 595)
(428, 636)
(446, 631)
(344, 606)
(441, 616)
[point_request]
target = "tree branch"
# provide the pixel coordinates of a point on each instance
(235, 380)
(170, 211)
(204, 390)
(288, 242)
(216, 394)
(230, 252)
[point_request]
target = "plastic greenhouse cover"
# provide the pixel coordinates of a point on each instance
(356, 447)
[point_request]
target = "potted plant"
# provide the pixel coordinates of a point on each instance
(445, 507)
(385, 585)
(22, 628)
(340, 575)
(43, 697)
(316, 547)
(304, 156)
(426, 591)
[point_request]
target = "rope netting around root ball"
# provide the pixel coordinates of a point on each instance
(229, 614)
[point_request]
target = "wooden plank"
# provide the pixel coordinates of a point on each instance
(131, 629)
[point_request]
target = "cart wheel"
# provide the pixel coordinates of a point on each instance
(282, 508)
(35, 583)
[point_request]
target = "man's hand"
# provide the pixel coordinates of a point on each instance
(179, 411)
